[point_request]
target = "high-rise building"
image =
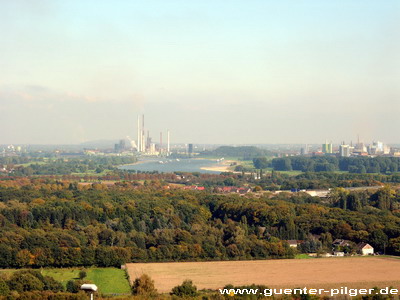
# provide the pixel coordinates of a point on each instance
(378, 148)
(327, 148)
(160, 147)
(344, 150)
(152, 148)
(121, 146)
(304, 151)
(168, 141)
(190, 149)
(143, 141)
(138, 135)
(360, 147)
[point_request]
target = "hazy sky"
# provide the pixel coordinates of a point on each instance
(212, 71)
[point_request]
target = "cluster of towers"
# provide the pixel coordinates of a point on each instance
(145, 144)
(360, 149)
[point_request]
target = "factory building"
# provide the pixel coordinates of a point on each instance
(145, 144)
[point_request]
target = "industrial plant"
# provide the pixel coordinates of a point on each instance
(145, 144)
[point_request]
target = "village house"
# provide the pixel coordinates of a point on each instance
(233, 189)
(341, 243)
(292, 243)
(194, 188)
(365, 249)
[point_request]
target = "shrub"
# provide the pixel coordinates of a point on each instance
(72, 286)
(4, 289)
(82, 274)
(186, 289)
(53, 285)
(144, 285)
(25, 282)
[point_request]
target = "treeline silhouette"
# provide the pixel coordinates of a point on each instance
(361, 165)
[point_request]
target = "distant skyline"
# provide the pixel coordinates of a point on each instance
(212, 72)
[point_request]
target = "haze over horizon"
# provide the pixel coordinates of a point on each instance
(237, 72)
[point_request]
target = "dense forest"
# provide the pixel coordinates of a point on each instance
(46, 222)
(332, 163)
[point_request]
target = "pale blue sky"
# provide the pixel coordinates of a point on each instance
(210, 71)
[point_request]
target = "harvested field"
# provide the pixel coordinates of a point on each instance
(353, 272)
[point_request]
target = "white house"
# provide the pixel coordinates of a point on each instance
(365, 249)
(293, 243)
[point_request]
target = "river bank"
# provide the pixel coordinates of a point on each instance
(223, 166)
(169, 165)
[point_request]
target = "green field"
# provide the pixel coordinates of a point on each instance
(303, 256)
(91, 173)
(290, 173)
(32, 163)
(108, 280)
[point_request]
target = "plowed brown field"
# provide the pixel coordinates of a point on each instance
(353, 272)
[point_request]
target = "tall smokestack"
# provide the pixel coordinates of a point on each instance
(160, 142)
(143, 138)
(148, 140)
(138, 135)
(168, 142)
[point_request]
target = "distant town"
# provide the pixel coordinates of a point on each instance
(146, 146)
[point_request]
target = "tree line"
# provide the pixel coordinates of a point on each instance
(62, 166)
(384, 165)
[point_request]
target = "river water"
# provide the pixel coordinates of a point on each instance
(173, 165)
